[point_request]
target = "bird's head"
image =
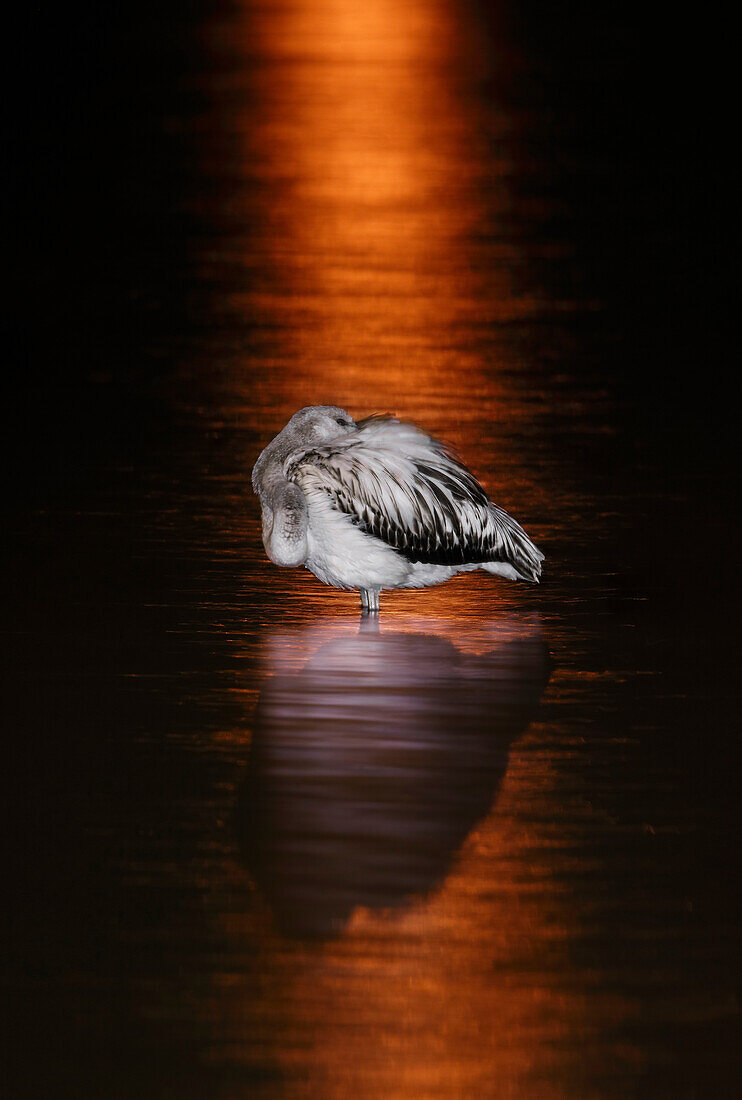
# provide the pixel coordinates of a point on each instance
(307, 428)
(318, 424)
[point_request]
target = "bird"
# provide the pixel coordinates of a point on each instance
(379, 504)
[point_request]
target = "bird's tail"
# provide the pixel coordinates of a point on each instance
(518, 549)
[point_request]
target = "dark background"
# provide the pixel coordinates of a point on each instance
(103, 299)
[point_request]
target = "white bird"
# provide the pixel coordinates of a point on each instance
(379, 504)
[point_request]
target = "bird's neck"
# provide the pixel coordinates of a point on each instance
(268, 472)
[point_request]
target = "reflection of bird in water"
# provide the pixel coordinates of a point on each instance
(379, 504)
(370, 765)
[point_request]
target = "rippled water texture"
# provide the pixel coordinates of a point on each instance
(484, 846)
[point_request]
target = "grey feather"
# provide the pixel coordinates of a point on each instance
(399, 485)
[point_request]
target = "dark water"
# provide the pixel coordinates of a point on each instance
(256, 847)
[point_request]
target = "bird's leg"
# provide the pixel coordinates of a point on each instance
(369, 600)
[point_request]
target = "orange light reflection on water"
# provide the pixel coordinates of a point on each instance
(383, 215)
(382, 224)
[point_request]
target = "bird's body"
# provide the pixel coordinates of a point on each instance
(380, 504)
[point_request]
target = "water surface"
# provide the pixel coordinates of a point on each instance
(484, 847)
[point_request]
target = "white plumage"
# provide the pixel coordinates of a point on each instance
(380, 504)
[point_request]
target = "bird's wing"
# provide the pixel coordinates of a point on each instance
(410, 491)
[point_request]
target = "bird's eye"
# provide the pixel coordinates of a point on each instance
(342, 422)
